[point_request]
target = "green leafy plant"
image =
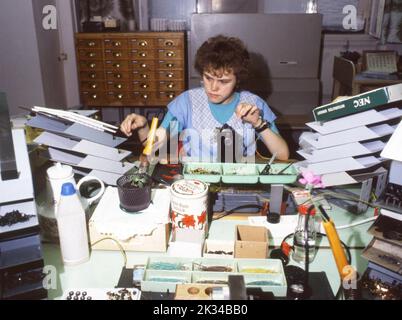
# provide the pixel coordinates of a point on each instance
(138, 181)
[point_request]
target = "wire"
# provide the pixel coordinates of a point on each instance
(118, 244)
(356, 223)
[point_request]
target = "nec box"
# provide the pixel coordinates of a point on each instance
(251, 242)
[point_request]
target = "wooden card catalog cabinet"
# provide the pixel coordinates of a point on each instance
(130, 69)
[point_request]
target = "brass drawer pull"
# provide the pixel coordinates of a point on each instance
(144, 76)
(144, 65)
(118, 86)
(169, 75)
(170, 54)
(119, 96)
(169, 65)
(94, 85)
(92, 75)
(117, 65)
(170, 85)
(170, 95)
(144, 96)
(169, 43)
(91, 44)
(117, 75)
(143, 43)
(94, 96)
(117, 54)
(92, 65)
(144, 86)
(143, 54)
(91, 54)
(117, 43)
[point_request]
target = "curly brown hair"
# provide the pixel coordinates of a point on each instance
(224, 54)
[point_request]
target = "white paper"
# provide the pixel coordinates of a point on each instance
(318, 141)
(355, 120)
(99, 150)
(347, 150)
(393, 148)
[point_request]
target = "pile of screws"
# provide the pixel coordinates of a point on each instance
(78, 296)
(13, 217)
(122, 294)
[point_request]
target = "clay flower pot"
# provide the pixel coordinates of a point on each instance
(134, 192)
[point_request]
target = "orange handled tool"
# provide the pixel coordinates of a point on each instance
(336, 247)
(151, 137)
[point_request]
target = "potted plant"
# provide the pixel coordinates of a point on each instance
(134, 192)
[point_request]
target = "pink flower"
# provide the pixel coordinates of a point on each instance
(311, 180)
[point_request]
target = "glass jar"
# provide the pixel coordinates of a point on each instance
(305, 230)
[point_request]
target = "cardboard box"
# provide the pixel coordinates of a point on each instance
(251, 242)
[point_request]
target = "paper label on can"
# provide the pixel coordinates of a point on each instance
(189, 187)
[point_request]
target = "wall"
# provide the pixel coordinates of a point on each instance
(20, 72)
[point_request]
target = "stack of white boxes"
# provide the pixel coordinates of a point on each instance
(82, 147)
(349, 135)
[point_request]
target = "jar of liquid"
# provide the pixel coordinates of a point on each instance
(305, 232)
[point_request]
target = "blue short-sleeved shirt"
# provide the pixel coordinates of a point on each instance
(180, 112)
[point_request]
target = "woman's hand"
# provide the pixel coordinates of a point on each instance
(132, 122)
(249, 113)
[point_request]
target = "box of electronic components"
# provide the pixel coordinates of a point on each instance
(251, 242)
(164, 280)
(169, 263)
(267, 274)
(218, 249)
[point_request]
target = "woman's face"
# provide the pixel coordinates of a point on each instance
(219, 85)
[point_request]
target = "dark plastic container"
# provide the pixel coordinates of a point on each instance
(133, 199)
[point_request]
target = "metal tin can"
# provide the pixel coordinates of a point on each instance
(189, 202)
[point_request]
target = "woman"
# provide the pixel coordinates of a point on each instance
(197, 114)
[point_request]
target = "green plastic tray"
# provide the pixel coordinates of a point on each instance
(288, 176)
(239, 173)
(209, 167)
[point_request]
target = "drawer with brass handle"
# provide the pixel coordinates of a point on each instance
(170, 75)
(170, 64)
(116, 54)
(92, 85)
(92, 75)
(142, 43)
(92, 97)
(91, 65)
(170, 43)
(117, 75)
(142, 75)
(169, 54)
(142, 54)
(93, 54)
(117, 85)
(89, 43)
(143, 85)
(171, 85)
(143, 64)
(116, 65)
(116, 43)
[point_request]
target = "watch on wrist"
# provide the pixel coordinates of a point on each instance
(264, 125)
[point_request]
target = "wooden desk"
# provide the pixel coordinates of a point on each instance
(363, 84)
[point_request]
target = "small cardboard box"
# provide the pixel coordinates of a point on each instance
(251, 242)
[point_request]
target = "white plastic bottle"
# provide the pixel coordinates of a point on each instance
(71, 223)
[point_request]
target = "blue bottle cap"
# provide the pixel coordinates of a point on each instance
(67, 189)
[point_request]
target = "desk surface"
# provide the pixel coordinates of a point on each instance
(104, 267)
